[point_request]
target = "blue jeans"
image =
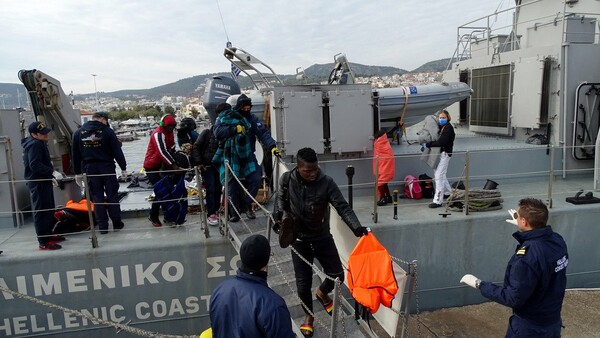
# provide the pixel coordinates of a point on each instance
(240, 200)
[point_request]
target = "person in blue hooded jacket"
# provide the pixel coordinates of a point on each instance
(536, 275)
(39, 173)
(95, 149)
(245, 306)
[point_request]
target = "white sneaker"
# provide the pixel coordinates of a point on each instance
(213, 220)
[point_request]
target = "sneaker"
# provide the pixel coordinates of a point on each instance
(389, 199)
(434, 205)
(103, 231)
(382, 202)
(155, 221)
(213, 220)
(50, 246)
(250, 214)
(234, 219)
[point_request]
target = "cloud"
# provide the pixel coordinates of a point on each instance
(142, 44)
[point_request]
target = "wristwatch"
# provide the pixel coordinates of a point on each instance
(477, 283)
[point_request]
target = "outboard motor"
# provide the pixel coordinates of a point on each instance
(218, 89)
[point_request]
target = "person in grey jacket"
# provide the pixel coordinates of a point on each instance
(304, 197)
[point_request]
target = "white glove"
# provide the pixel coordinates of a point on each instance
(124, 173)
(57, 175)
(471, 281)
(54, 182)
(79, 180)
(513, 219)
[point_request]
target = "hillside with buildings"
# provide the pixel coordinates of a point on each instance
(185, 95)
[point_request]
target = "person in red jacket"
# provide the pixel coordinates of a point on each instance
(382, 150)
(159, 156)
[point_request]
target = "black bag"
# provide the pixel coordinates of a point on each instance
(426, 184)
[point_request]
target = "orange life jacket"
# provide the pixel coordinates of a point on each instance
(79, 206)
(370, 274)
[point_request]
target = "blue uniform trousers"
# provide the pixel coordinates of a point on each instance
(42, 204)
(103, 180)
(521, 328)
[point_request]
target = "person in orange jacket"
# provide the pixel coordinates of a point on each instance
(382, 150)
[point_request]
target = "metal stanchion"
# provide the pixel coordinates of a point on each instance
(336, 305)
(375, 195)
(226, 192)
(203, 211)
(89, 209)
(551, 178)
(467, 164)
(395, 203)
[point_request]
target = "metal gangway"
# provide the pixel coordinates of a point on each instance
(348, 318)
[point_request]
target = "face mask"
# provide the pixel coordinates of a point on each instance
(442, 121)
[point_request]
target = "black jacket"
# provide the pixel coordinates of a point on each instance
(309, 204)
(205, 148)
(446, 139)
(95, 142)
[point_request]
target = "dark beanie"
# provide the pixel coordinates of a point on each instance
(242, 101)
(255, 252)
(222, 107)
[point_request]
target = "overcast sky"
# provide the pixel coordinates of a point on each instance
(138, 44)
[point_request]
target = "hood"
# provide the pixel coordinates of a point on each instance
(93, 125)
(27, 142)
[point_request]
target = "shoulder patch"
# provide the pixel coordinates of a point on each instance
(522, 250)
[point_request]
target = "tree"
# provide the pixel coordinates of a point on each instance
(195, 112)
(169, 110)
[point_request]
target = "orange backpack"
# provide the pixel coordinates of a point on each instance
(371, 278)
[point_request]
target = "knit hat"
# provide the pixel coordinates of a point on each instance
(222, 107)
(242, 101)
(38, 127)
(255, 252)
(101, 114)
(168, 120)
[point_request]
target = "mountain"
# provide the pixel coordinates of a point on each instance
(194, 86)
(11, 94)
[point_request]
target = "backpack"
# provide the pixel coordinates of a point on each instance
(426, 184)
(412, 189)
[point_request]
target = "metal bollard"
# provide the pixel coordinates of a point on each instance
(350, 174)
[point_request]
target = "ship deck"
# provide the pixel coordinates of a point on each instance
(444, 243)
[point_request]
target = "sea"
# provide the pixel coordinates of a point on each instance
(134, 152)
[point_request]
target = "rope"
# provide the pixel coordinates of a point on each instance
(133, 330)
(479, 200)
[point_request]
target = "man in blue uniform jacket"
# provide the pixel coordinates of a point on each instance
(245, 306)
(95, 149)
(535, 279)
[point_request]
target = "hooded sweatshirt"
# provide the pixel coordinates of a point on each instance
(95, 142)
(36, 157)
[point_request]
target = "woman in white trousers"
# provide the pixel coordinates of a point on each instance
(445, 142)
